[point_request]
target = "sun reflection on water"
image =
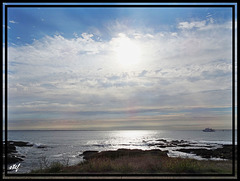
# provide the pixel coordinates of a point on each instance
(131, 139)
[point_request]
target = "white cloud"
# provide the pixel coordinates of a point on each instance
(193, 24)
(59, 74)
(13, 22)
(87, 36)
(75, 34)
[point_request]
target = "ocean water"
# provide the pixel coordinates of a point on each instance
(67, 146)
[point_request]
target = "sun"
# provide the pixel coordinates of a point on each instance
(128, 52)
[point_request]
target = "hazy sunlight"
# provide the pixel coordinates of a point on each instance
(128, 52)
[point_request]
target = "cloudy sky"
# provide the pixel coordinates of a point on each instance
(119, 68)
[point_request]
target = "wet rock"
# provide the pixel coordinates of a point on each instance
(10, 148)
(162, 140)
(176, 142)
(12, 155)
(200, 152)
(12, 159)
(159, 144)
(21, 143)
(162, 146)
(224, 153)
(41, 146)
(184, 145)
(164, 143)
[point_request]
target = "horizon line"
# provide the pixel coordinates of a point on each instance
(112, 129)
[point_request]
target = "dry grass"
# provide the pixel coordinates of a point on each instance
(142, 164)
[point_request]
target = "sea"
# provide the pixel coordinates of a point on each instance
(68, 146)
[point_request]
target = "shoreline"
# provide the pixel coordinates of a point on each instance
(203, 151)
(164, 147)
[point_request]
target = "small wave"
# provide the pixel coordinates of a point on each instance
(39, 145)
(172, 153)
(58, 155)
(124, 144)
(217, 142)
(98, 145)
(74, 156)
(101, 145)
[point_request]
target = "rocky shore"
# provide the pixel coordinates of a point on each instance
(223, 153)
(87, 155)
(158, 150)
(204, 150)
(12, 155)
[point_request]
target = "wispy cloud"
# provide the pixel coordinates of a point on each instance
(190, 25)
(80, 79)
(13, 22)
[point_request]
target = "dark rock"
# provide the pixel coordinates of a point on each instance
(12, 159)
(184, 145)
(173, 143)
(12, 156)
(162, 146)
(21, 143)
(156, 152)
(200, 152)
(41, 146)
(165, 145)
(10, 148)
(87, 154)
(224, 153)
(170, 145)
(122, 152)
(162, 140)
(176, 142)
(159, 144)
(20, 156)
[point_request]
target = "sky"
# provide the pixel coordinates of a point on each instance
(119, 68)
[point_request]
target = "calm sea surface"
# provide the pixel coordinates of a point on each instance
(69, 145)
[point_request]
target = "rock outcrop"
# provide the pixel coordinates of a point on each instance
(122, 152)
(224, 153)
(12, 154)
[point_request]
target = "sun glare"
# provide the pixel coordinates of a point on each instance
(128, 52)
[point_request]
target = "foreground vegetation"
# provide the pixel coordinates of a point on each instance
(141, 164)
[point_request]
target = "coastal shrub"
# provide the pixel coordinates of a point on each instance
(179, 165)
(55, 167)
(65, 161)
(96, 165)
(125, 164)
(45, 166)
(43, 162)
